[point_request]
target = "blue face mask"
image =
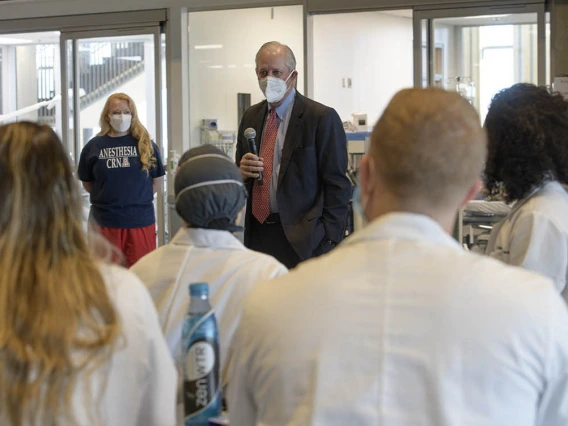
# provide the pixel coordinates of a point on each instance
(357, 206)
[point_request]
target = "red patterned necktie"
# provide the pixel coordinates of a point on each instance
(261, 193)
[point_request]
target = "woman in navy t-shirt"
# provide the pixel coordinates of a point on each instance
(122, 170)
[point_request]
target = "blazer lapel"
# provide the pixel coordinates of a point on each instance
(258, 124)
(293, 135)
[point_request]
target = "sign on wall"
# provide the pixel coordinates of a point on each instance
(561, 86)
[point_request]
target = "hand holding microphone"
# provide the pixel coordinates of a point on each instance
(251, 165)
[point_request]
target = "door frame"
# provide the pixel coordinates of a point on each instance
(73, 37)
(425, 17)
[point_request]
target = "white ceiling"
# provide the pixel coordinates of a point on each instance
(512, 19)
(47, 37)
(474, 21)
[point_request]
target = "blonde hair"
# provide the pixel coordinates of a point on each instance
(56, 318)
(429, 146)
(137, 130)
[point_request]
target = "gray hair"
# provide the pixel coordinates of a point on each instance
(290, 59)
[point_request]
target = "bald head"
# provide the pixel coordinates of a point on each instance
(276, 48)
(428, 148)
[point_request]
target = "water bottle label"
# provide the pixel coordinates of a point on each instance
(201, 381)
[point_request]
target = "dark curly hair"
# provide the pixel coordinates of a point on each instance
(527, 129)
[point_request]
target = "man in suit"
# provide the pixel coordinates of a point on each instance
(300, 209)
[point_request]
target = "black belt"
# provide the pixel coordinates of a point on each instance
(272, 219)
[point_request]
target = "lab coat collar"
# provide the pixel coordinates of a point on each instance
(207, 238)
(549, 186)
(403, 226)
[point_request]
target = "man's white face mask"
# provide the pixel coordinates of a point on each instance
(274, 88)
(120, 122)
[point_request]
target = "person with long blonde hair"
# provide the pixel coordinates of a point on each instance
(122, 169)
(80, 342)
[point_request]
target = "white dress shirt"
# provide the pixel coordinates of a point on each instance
(534, 235)
(401, 327)
(283, 114)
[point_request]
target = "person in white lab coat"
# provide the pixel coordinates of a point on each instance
(527, 129)
(209, 196)
(80, 339)
(399, 325)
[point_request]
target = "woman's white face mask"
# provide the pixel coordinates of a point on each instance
(274, 88)
(120, 122)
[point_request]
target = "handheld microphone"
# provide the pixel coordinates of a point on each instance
(250, 135)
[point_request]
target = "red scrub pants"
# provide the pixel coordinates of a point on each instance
(134, 243)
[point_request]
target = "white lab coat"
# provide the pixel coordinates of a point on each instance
(209, 256)
(534, 235)
(141, 378)
(401, 327)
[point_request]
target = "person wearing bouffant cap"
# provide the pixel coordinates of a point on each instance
(210, 195)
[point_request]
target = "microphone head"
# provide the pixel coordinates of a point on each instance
(250, 133)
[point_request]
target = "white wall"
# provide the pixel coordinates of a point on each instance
(373, 49)
(217, 75)
(26, 80)
(136, 89)
(445, 36)
(9, 81)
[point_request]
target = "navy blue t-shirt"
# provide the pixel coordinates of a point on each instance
(121, 193)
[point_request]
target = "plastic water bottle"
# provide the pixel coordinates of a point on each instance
(201, 379)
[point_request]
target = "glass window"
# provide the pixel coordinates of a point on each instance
(164, 86)
(361, 60)
(116, 64)
(223, 83)
(481, 55)
(30, 78)
(548, 54)
(107, 65)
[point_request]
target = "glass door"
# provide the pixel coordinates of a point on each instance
(359, 60)
(480, 51)
(97, 64)
(477, 52)
(30, 78)
(222, 79)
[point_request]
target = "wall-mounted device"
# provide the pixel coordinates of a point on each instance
(360, 121)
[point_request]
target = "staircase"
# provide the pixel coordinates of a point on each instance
(103, 68)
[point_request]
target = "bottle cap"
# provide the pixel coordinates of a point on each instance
(199, 289)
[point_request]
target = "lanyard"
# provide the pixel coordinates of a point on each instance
(174, 291)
